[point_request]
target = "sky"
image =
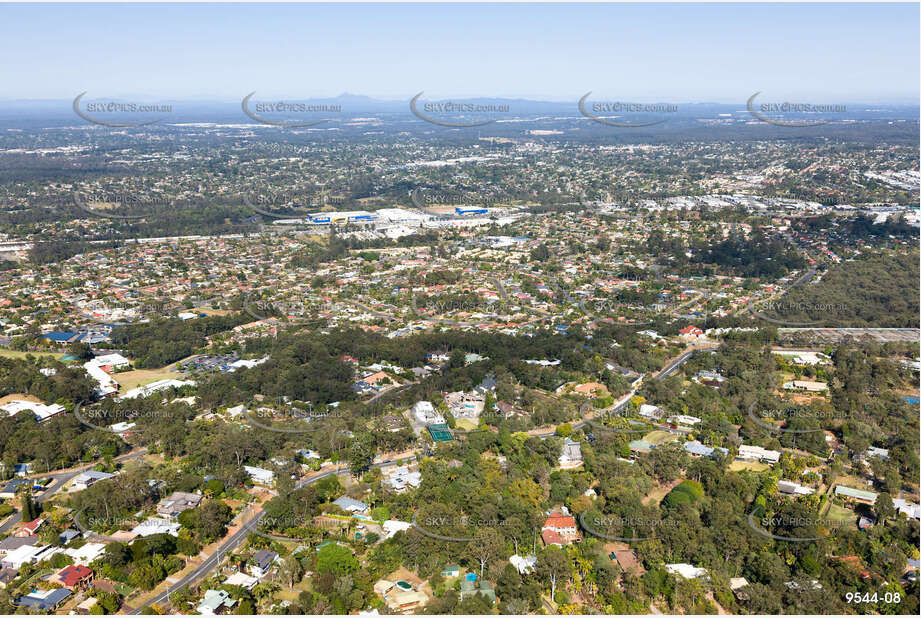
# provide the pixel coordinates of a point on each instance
(818, 53)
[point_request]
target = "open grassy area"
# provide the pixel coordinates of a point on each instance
(754, 466)
(659, 437)
(17, 354)
(841, 514)
(140, 377)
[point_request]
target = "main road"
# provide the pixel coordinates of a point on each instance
(231, 542)
(61, 479)
(212, 561)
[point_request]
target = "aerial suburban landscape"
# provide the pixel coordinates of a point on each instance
(373, 355)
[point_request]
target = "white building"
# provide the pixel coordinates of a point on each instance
(157, 525)
(524, 564)
(685, 570)
(757, 453)
(425, 413)
(260, 476)
(41, 411)
(155, 387)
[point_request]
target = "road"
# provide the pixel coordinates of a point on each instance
(61, 479)
(750, 307)
(231, 542)
(663, 373)
(238, 537)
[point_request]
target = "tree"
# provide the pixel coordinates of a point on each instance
(291, 570)
(336, 560)
(884, 507)
(553, 565)
(485, 547)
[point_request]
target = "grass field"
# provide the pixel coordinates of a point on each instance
(140, 377)
(466, 424)
(754, 466)
(841, 514)
(18, 354)
(659, 437)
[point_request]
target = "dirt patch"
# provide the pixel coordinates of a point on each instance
(19, 397)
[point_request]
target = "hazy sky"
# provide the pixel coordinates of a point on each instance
(822, 53)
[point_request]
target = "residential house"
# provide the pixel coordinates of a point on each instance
(426, 414)
(176, 503)
(910, 510)
(806, 385)
(524, 564)
(691, 333)
(571, 454)
(43, 600)
(858, 495)
(28, 554)
(793, 489)
(214, 602)
(156, 525)
(242, 580)
(698, 449)
(560, 529)
(260, 476)
(262, 562)
(352, 506)
(628, 561)
(400, 478)
(73, 576)
(686, 571)
(757, 453)
(88, 478)
(29, 528)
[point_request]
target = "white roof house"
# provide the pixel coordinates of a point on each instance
(685, 570)
(155, 387)
(425, 412)
(260, 475)
(401, 478)
(157, 525)
(392, 526)
(650, 411)
(86, 553)
(28, 554)
(757, 453)
(524, 564)
(41, 411)
(911, 510)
